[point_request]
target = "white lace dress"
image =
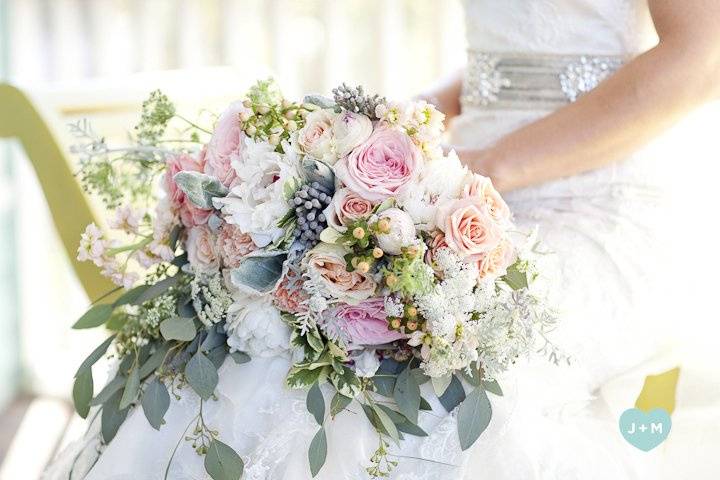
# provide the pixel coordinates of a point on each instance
(547, 426)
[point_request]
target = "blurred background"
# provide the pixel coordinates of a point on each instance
(98, 59)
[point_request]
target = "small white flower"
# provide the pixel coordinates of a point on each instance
(366, 364)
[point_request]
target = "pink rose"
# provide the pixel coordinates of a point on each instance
(190, 214)
(495, 262)
(346, 207)
(469, 229)
(364, 324)
(200, 246)
(482, 187)
(233, 245)
(226, 145)
(382, 166)
(326, 265)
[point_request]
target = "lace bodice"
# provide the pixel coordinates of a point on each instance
(602, 27)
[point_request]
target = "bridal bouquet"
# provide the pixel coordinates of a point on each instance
(333, 231)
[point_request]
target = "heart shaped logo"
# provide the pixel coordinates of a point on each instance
(645, 430)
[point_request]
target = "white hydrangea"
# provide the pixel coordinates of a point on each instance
(254, 326)
(256, 203)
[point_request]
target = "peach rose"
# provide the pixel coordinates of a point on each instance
(233, 245)
(469, 229)
(326, 265)
(346, 207)
(289, 294)
(201, 250)
(482, 187)
(495, 262)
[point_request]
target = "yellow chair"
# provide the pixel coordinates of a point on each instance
(20, 118)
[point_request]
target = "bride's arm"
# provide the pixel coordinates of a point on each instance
(642, 99)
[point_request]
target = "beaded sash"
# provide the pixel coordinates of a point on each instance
(531, 81)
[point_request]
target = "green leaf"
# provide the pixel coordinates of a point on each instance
(384, 384)
(407, 395)
(240, 357)
(315, 403)
(202, 375)
(493, 387)
(259, 273)
(157, 289)
(454, 394)
(94, 356)
(386, 422)
(217, 356)
(83, 392)
(112, 418)
(109, 390)
(200, 188)
(345, 382)
(302, 377)
(473, 417)
(515, 279)
(339, 403)
(317, 453)
(222, 462)
(131, 389)
(155, 360)
(440, 384)
(425, 405)
(411, 429)
(96, 316)
(155, 402)
(178, 328)
(131, 296)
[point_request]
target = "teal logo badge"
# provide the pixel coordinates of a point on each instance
(645, 430)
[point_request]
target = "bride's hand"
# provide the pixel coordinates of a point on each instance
(484, 161)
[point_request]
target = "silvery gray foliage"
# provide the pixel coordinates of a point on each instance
(259, 273)
(309, 202)
(354, 99)
(200, 188)
(319, 100)
(316, 171)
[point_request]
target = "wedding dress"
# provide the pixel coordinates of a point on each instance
(527, 57)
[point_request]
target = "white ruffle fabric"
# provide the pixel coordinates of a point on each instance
(602, 230)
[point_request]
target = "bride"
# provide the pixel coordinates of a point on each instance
(556, 103)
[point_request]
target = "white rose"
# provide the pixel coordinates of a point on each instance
(350, 129)
(401, 234)
(254, 326)
(316, 137)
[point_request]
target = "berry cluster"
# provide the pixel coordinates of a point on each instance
(356, 100)
(309, 201)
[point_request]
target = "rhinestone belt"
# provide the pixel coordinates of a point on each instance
(530, 81)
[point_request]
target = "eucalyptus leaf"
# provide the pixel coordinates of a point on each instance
(315, 403)
(339, 403)
(113, 386)
(96, 355)
(407, 395)
(131, 296)
(155, 403)
(178, 328)
(157, 289)
(200, 188)
(155, 360)
(112, 418)
(492, 387)
(473, 417)
(425, 405)
(96, 316)
(411, 429)
(259, 274)
(131, 389)
(386, 422)
(453, 395)
(217, 356)
(240, 357)
(222, 462)
(202, 375)
(215, 338)
(317, 453)
(83, 392)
